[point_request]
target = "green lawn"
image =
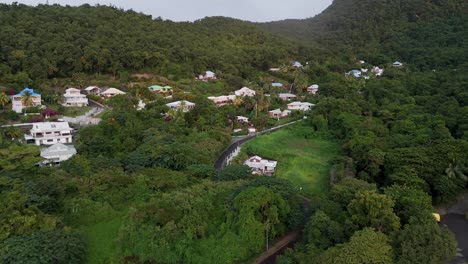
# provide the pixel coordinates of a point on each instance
(303, 161)
(102, 241)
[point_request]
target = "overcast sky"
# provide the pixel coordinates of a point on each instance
(189, 10)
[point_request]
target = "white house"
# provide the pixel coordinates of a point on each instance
(242, 119)
(274, 69)
(111, 92)
(244, 91)
(302, 106)
(184, 105)
(208, 75)
(93, 90)
(355, 73)
(377, 71)
(261, 166)
(57, 153)
(50, 133)
(277, 113)
(222, 100)
(73, 97)
(286, 96)
(252, 130)
(17, 100)
(313, 89)
(296, 64)
(397, 64)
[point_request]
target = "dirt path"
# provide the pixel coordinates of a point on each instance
(285, 242)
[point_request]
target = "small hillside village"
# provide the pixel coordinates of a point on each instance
(55, 136)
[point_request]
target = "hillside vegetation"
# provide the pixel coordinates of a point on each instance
(429, 34)
(51, 41)
(142, 188)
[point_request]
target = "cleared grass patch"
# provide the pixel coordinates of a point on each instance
(302, 157)
(102, 241)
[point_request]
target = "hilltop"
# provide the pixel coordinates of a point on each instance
(428, 34)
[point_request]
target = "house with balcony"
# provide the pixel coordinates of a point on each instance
(222, 100)
(57, 153)
(261, 166)
(18, 103)
(49, 133)
(73, 97)
(277, 113)
(301, 106)
(93, 90)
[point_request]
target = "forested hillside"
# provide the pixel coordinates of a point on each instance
(427, 33)
(51, 41)
(142, 187)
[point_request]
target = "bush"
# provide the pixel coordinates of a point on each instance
(46, 247)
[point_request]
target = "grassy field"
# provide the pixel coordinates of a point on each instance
(101, 239)
(302, 158)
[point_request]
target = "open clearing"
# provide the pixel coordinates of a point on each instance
(302, 157)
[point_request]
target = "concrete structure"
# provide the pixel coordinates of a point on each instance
(50, 133)
(261, 166)
(17, 100)
(57, 153)
(73, 97)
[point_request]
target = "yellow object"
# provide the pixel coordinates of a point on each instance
(436, 217)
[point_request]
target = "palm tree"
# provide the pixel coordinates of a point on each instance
(456, 170)
(27, 100)
(238, 101)
(4, 99)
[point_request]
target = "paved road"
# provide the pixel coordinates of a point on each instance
(459, 226)
(454, 218)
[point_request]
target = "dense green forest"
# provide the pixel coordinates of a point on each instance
(53, 41)
(142, 188)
